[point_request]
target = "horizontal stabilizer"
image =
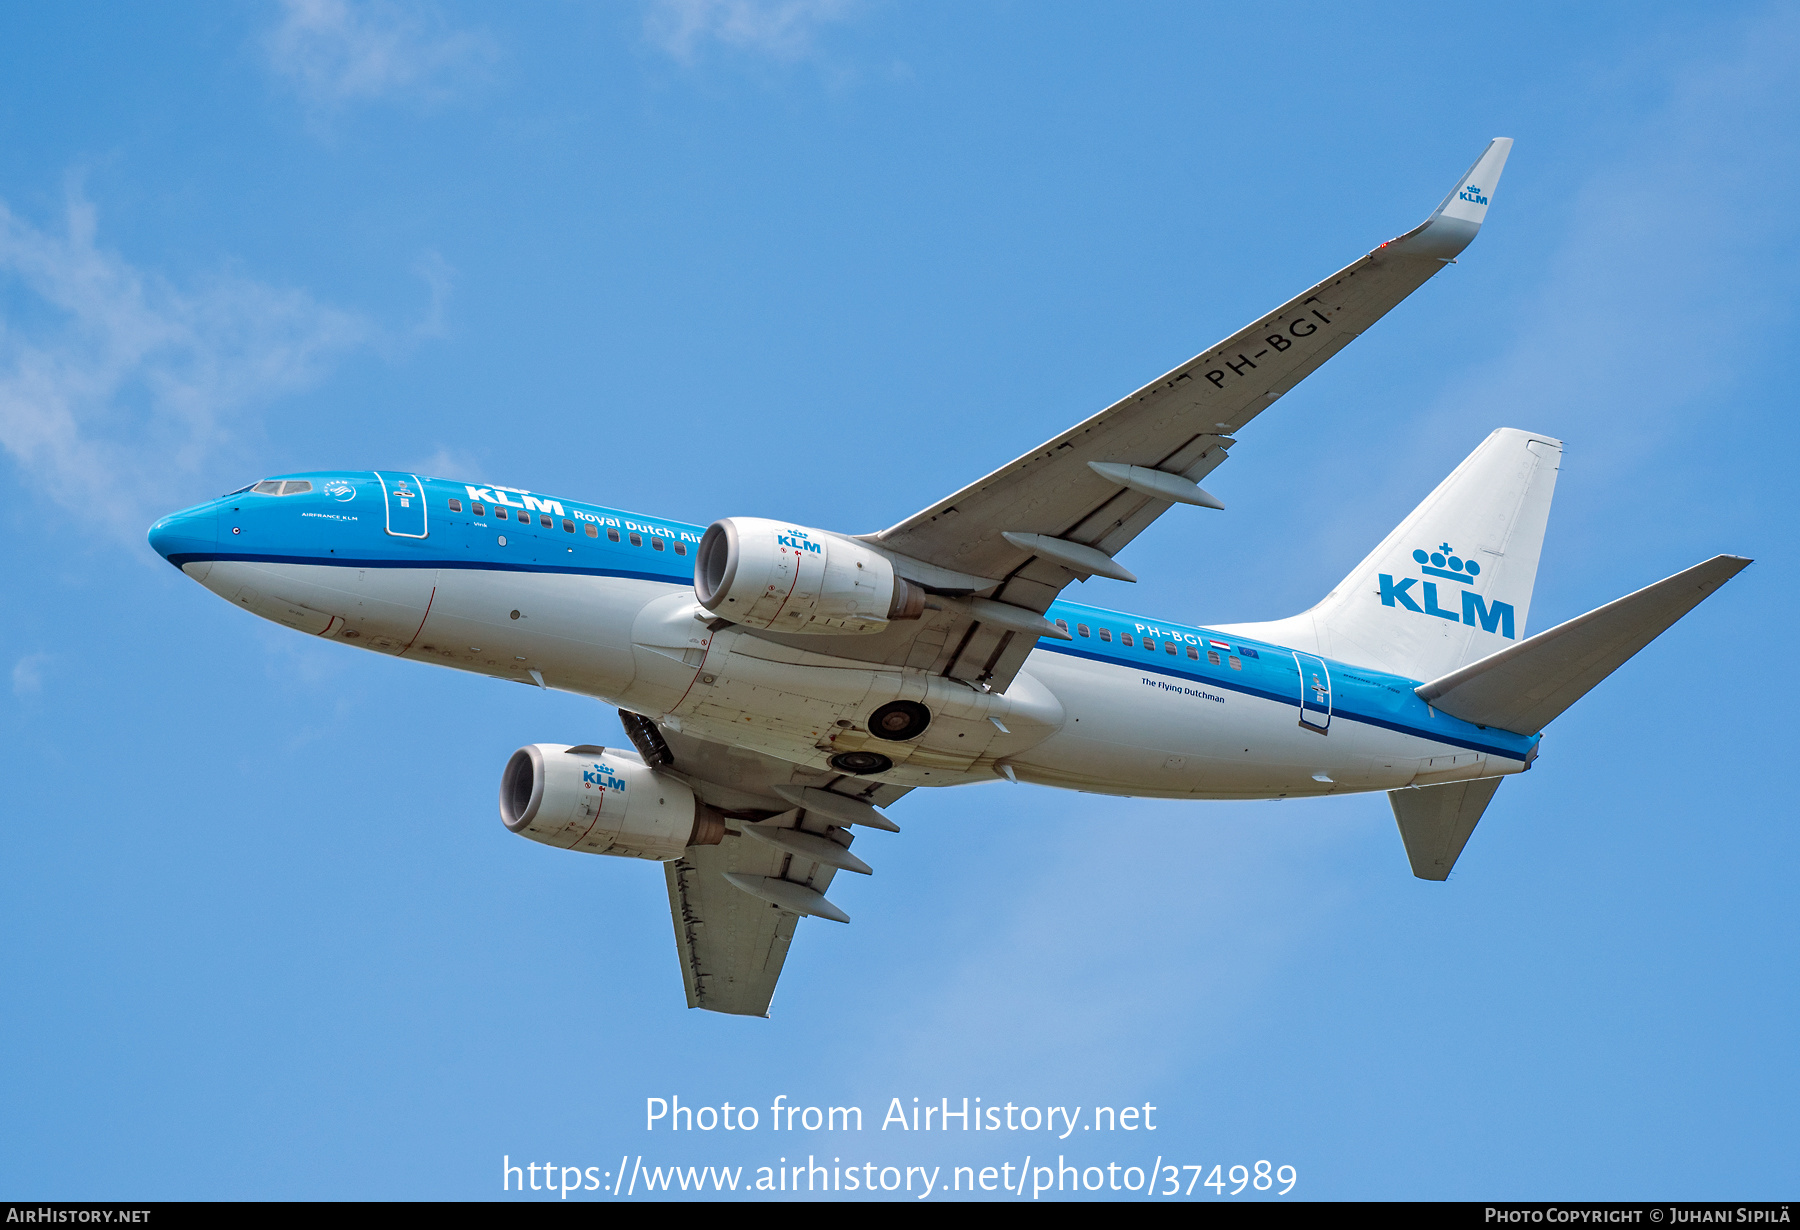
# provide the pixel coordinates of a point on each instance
(1521, 688)
(1435, 822)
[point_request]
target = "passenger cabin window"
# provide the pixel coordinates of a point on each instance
(593, 531)
(455, 504)
(1194, 652)
(681, 548)
(612, 535)
(478, 510)
(656, 544)
(1125, 639)
(1212, 655)
(500, 512)
(568, 527)
(1063, 624)
(1237, 664)
(1082, 629)
(546, 522)
(1106, 634)
(637, 540)
(1149, 645)
(1169, 645)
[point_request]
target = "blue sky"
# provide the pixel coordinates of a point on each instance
(263, 933)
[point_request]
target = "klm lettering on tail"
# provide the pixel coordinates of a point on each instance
(1474, 610)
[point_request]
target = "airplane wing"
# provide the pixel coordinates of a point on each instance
(1063, 510)
(737, 905)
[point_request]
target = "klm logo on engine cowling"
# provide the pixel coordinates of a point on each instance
(602, 777)
(1472, 195)
(1444, 563)
(798, 540)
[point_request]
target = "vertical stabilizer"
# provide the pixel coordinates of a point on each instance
(1453, 583)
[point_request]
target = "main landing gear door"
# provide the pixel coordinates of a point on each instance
(1315, 692)
(405, 497)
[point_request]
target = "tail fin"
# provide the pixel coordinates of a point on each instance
(1453, 583)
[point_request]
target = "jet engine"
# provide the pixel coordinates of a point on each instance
(597, 802)
(770, 575)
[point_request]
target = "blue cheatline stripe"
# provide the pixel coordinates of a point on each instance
(1050, 646)
(1284, 699)
(344, 561)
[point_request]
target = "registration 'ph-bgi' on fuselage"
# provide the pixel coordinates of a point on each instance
(781, 684)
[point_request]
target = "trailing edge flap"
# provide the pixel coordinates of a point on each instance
(1435, 822)
(732, 944)
(1524, 686)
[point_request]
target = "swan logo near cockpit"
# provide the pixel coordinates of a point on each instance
(1476, 611)
(340, 490)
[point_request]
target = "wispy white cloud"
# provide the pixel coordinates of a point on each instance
(449, 463)
(28, 674)
(780, 29)
(335, 52)
(440, 279)
(1679, 251)
(115, 385)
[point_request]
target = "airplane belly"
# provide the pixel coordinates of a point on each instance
(571, 630)
(380, 609)
(733, 687)
(561, 630)
(1130, 733)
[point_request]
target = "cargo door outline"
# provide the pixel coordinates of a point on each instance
(403, 495)
(1315, 692)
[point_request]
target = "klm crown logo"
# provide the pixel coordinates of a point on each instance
(1472, 195)
(1441, 563)
(1475, 611)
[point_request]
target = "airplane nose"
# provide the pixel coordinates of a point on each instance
(188, 539)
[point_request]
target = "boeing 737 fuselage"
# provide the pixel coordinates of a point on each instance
(780, 684)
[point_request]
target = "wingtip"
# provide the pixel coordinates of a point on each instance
(1454, 224)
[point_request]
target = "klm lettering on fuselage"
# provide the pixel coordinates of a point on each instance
(497, 495)
(798, 541)
(602, 777)
(1472, 610)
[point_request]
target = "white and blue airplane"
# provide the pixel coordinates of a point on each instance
(781, 684)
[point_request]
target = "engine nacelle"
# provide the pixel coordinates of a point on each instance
(770, 575)
(594, 801)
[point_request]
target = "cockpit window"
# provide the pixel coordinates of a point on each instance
(275, 486)
(295, 486)
(267, 488)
